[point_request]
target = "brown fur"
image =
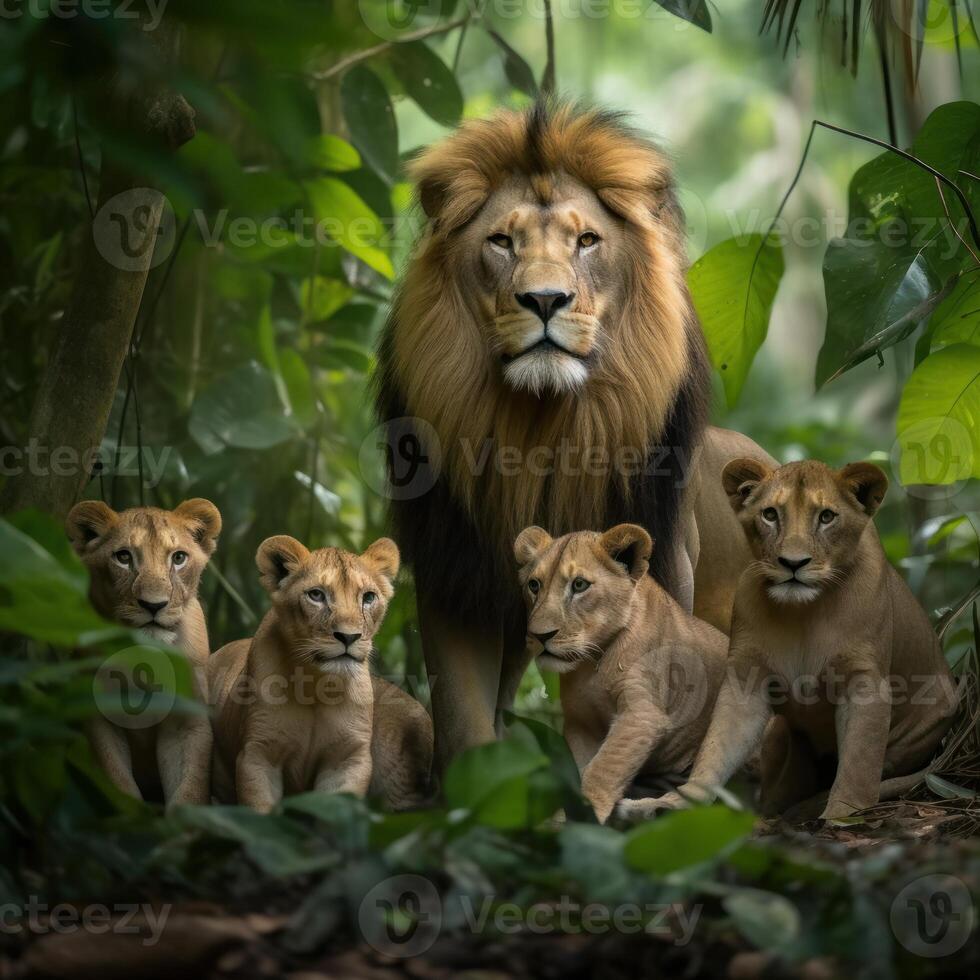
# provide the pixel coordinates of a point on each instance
(170, 760)
(639, 676)
(848, 623)
(295, 707)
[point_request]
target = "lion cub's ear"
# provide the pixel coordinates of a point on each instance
(383, 557)
(866, 483)
(630, 545)
(740, 477)
(530, 543)
(205, 521)
(87, 522)
(278, 557)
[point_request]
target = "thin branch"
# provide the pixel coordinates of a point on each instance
(423, 32)
(952, 225)
(548, 77)
(81, 159)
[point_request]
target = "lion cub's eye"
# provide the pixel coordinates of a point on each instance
(500, 240)
(369, 598)
(534, 586)
(827, 516)
(123, 556)
(179, 558)
(579, 585)
(771, 515)
(587, 239)
(316, 595)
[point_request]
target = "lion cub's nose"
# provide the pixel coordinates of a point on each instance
(544, 637)
(348, 639)
(152, 607)
(546, 303)
(794, 564)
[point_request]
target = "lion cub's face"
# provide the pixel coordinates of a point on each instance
(579, 590)
(145, 563)
(542, 260)
(803, 520)
(329, 603)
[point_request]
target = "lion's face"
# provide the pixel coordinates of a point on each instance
(145, 563)
(543, 263)
(329, 603)
(579, 590)
(803, 521)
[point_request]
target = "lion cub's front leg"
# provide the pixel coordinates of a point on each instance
(184, 753)
(352, 775)
(110, 746)
(258, 778)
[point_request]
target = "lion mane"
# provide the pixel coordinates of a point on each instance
(646, 395)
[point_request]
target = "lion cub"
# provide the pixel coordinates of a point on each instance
(828, 642)
(296, 707)
(639, 675)
(145, 565)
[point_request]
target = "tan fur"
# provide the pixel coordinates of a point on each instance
(295, 706)
(882, 695)
(639, 676)
(173, 758)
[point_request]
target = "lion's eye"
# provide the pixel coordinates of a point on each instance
(534, 586)
(587, 239)
(579, 585)
(771, 515)
(827, 516)
(123, 556)
(316, 595)
(179, 558)
(369, 598)
(500, 240)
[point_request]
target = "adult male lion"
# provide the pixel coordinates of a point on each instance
(543, 365)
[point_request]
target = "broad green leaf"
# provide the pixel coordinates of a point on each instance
(733, 293)
(240, 409)
(939, 418)
(957, 319)
(480, 774)
(343, 216)
(517, 70)
(428, 81)
(371, 120)
(947, 790)
(767, 920)
(686, 838)
(329, 152)
(693, 11)
(325, 297)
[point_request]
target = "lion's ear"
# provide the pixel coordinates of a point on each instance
(530, 543)
(866, 483)
(383, 557)
(204, 519)
(740, 477)
(631, 546)
(278, 557)
(87, 522)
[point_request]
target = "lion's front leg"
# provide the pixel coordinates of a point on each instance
(184, 745)
(351, 775)
(110, 746)
(258, 779)
(464, 677)
(863, 720)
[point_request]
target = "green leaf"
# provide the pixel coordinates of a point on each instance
(947, 790)
(329, 152)
(733, 293)
(939, 418)
(693, 11)
(428, 81)
(516, 69)
(957, 320)
(325, 297)
(240, 409)
(370, 118)
(686, 838)
(342, 215)
(767, 920)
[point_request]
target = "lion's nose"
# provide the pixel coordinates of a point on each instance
(543, 638)
(152, 607)
(348, 639)
(794, 564)
(545, 303)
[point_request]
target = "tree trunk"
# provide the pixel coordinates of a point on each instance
(72, 404)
